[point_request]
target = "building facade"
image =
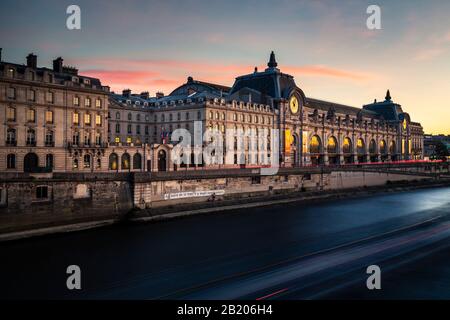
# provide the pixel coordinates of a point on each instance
(55, 119)
(51, 119)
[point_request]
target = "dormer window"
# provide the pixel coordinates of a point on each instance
(145, 104)
(75, 80)
(11, 72)
(128, 101)
(137, 103)
(87, 81)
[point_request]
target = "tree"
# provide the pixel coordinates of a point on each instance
(440, 151)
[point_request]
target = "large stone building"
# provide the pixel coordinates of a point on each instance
(311, 131)
(140, 127)
(51, 119)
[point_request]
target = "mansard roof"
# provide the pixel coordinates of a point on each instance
(200, 86)
(388, 109)
(339, 108)
(271, 82)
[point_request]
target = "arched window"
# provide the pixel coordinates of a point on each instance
(383, 149)
(11, 137)
(332, 145)
(392, 147)
(113, 161)
(360, 146)
(137, 161)
(11, 161)
(31, 137)
(87, 161)
(75, 163)
(315, 144)
(125, 161)
(373, 147)
(347, 146)
(49, 138)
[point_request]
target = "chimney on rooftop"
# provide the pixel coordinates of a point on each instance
(32, 61)
(58, 65)
(145, 95)
(126, 93)
(159, 95)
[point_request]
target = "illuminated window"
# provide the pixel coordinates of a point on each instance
(87, 119)
(117, 140)
(347, 146)
(11, 72)
(332, 145)
(314, 145)
(128, 139)
(76, 118)
(98, 103)
(87, 102)
(360, 146)
(76, 101)
(49, 116)
(31, 115)
(98, 120)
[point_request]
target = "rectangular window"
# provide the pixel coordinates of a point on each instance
(87, 119)
(49, 116)
(98, 103)
(42, 192)
(87, 102)
(76, 118)
(31, 115)
(129, 128)
(32, 95)
(50, 97)
(76, 101)
(98, 120)
(11, 114)
(11, 93)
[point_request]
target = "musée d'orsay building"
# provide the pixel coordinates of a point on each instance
(54, 119)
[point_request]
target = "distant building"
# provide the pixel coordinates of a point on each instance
(430, 142)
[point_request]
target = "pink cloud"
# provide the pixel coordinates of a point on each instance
(164, 74)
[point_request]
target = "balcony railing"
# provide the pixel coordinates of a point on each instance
(72, 145)
(11, 143)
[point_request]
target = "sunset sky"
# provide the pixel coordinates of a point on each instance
(155, 45)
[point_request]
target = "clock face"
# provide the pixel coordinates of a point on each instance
(293, 104)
